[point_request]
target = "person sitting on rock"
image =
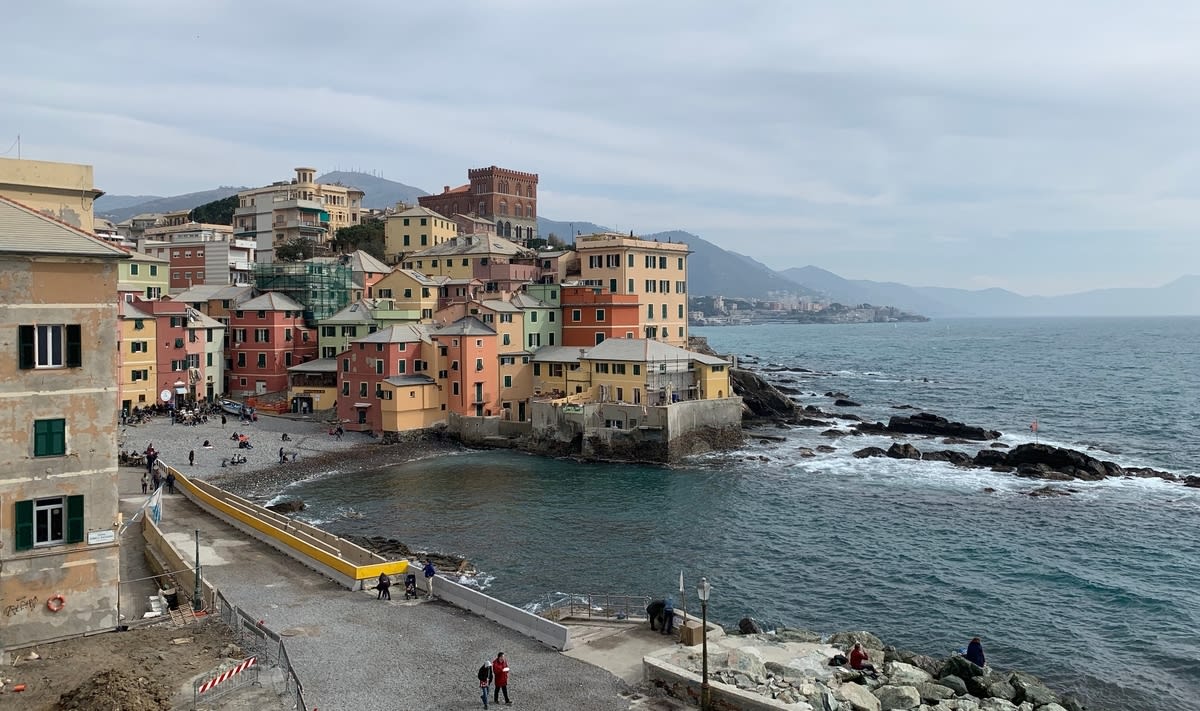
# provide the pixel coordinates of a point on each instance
(858, 660)
(975, 653)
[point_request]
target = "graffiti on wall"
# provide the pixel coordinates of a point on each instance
(23, 604)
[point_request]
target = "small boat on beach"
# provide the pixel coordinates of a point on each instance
(235, 408)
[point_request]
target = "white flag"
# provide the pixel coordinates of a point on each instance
(154, 505)
(681, 582)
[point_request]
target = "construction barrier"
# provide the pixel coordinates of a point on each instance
(227, 674)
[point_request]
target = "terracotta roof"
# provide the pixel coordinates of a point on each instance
(24, 230)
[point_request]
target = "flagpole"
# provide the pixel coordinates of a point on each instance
(683, 597)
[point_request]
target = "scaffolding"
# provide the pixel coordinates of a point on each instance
(324, 288)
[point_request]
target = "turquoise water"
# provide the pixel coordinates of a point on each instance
(1096, 592)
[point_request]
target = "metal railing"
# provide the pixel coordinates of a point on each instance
(592, 606)
(253, 635)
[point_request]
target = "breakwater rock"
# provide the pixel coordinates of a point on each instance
(803, 670)
(759, 398)
(1030, 461)
(927, 423)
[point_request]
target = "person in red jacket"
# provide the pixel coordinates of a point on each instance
(500, 673)
(858, 660)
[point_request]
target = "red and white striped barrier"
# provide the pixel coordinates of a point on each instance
(227, 674)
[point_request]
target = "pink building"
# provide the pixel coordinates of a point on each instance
(396, 351)
(469, 354)
(181, 334)
(268, 335)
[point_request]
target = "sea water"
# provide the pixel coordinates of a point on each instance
(1096, 592)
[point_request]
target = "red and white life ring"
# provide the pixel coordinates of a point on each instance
(56, 603)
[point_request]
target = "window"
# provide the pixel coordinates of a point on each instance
(287, 359)
(287, 334)
(629, 260)
(349, 331)
(401, 366)
(424, 242)
(537, 369)
(50, 521)
(262, 360)
(262, 315)
(54, 346)
(505, 318)
(478, 364)
(466, 262)
(533, 316)
(599, 338)
(304, 336)
(179, 343)
(453, 365)
(49, 438)
(664, 286)
(662, 262)
(618, 369)
(424, 221)
(576, 314)
(681, 312)
(262, 335)
(133, 270)
(602, 368)
(507, 360)
(681, 262)
(599, 315)
(650, 311)
(241, 361)
(637, 369)
(433, 263)
(454, 388)
(362, 389)
(479, 343)
(209, 359)
(153, 270)
(379, 367)
(551, 336)
(508, 381)
(664, 310)
(550, 316)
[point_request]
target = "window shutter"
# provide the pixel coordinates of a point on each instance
(24, 533)
(25, 347)
(74, 346)
(75, 519)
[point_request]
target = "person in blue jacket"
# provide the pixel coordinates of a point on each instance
(975, 653)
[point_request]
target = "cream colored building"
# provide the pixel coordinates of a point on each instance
(412, 229)
(58, 444)
(143, 277)
(299, 208)
(655, 271)
(62, 190)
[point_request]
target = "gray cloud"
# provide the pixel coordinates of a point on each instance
(1040, 148)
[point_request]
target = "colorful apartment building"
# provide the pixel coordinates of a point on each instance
(143, 277)
(593, 314)
(412, 229)
(401, 353)
(542, 326)
(413, 294)
(268, 336)
(58, 383)
(500, 264)
(656, 272)
(201, 254)
(297, 209)
(365, 271)
(470, 371)
(357, 320)
(137, 363)
(181, 335)
(506, 197)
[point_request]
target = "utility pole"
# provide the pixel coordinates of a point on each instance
(197, 603)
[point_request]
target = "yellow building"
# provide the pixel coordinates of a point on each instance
(410, 402)
(414, 296)
(655, 271)
(59, 551)
(412, 229)
(137, 377)
(486, 257)
(62, 190)
(144, 277)
(298, 209)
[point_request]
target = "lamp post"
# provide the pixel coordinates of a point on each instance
(197, 603)
(702, 590)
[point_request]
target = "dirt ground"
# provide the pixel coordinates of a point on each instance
(138, 670)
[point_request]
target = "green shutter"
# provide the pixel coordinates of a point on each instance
(24, 533)
(75, 519)
(74, 346)
(25, 354)
(49, 438)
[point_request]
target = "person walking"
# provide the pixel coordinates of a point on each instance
(222, 422)
(170, 482)
(155, 481)
(145, 483)
(485, 679)
(192, 458)
(429, 573)
(282, 456)
(384, 585)
(500, 674)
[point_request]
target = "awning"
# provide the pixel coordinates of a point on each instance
(362, 404)
(181, 391)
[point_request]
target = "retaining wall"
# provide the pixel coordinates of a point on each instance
(543, 630)
(682, 684)
(340, 560)
(161, 554)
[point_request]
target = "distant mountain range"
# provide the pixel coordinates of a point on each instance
(715, 271)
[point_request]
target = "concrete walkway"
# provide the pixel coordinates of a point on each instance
(355, 652)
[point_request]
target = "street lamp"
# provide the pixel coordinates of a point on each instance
(702, 590)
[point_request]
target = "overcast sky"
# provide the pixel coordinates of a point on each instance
(1040, 147)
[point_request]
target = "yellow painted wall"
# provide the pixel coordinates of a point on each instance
(714, 384)
(64, 190)
(639, 273)
(323, 398)
(138, 393)
(437, 229)
(412, 407)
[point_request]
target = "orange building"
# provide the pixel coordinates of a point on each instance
(470, 372)
(593, 314)
(397, 353)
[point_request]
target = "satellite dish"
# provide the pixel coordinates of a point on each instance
(165, 396)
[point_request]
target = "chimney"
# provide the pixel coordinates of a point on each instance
(445, 188)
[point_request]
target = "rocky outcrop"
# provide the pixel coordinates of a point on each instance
(870, 452)
(843, 402)
(903, 451)
(759, 398)
(289, 506)
(927, 423)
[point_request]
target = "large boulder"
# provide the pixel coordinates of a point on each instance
(961, 459)
(759, 398)
(822, 699)
(955, 684)
(932, 693)
(1050, 707)
(1030, 689)
(1061, 459)
(739, 661)
(792, 634)
(928, 423)
(747, 625)
(903, 451)
(1001, 689)
(1070, 703)
(288, 506)
(846, 640)
(906, 674)
(990, 458)
(960, 667)
(857, 697)
(996, 705)
(892, 697)
(843, 402)
(870, 452)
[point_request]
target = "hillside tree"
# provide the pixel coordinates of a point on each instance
(217, 212)
(295, 250)
(367, 236)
